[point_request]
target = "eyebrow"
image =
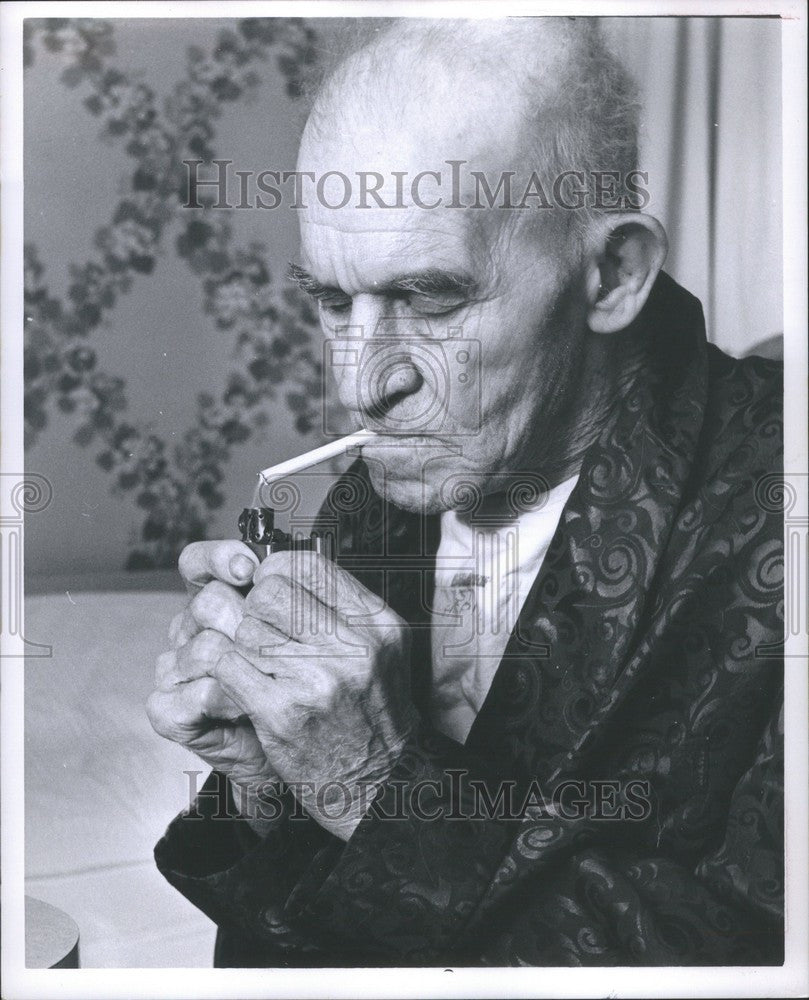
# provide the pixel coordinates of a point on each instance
(431, 280)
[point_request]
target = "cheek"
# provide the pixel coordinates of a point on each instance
(510, 363)
(528, 343)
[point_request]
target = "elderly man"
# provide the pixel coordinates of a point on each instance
(537, 722)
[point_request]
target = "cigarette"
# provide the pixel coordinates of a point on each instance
(322, 454)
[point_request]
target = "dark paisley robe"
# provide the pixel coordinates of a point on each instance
(648, 649)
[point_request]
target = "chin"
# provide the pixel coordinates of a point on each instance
(413, 495)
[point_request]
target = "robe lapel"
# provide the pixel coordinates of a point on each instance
(565, 668)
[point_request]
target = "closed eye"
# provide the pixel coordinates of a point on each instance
(334, 302)
(435, 305)
(331, 296)
(431, 292)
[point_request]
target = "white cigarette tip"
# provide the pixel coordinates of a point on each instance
(317, 455)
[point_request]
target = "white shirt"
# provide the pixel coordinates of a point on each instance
(484, 571)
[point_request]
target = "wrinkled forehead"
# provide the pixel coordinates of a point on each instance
(355, 248)
(381, 199)
(391, 152)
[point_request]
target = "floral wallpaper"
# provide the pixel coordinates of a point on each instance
(177, 484)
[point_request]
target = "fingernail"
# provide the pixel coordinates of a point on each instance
(241, 568)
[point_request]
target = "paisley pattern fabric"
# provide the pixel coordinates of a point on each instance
(643, 679)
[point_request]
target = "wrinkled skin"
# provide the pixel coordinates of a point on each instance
(259, 686)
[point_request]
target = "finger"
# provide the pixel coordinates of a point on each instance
(266, 647)
(291, 611)
(180, 713)
(229, 560)
(169, 674)
(199, 656)
(164, 670)
(217, 606)
(332, 586)
(219, 706)
(182, 628)
(249, 688)
(308, 670)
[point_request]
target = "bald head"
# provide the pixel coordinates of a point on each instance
(521, 94)
(492, 317)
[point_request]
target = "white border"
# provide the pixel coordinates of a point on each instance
(790, 980)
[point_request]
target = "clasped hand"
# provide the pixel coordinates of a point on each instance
(305, 680)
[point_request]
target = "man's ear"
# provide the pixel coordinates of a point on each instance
(625, 261)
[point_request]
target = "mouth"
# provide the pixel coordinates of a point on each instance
(402, 437)
(407, 456)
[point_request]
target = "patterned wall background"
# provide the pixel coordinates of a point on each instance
(173, 476)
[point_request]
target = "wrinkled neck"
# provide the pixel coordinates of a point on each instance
(614, 369)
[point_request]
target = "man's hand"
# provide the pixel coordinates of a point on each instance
(188, 705)
(321, 667)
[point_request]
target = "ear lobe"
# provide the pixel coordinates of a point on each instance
(621, 274)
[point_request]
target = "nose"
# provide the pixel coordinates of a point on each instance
(390, 381)
(383, 373)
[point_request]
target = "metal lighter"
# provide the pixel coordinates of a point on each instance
(257, 527)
